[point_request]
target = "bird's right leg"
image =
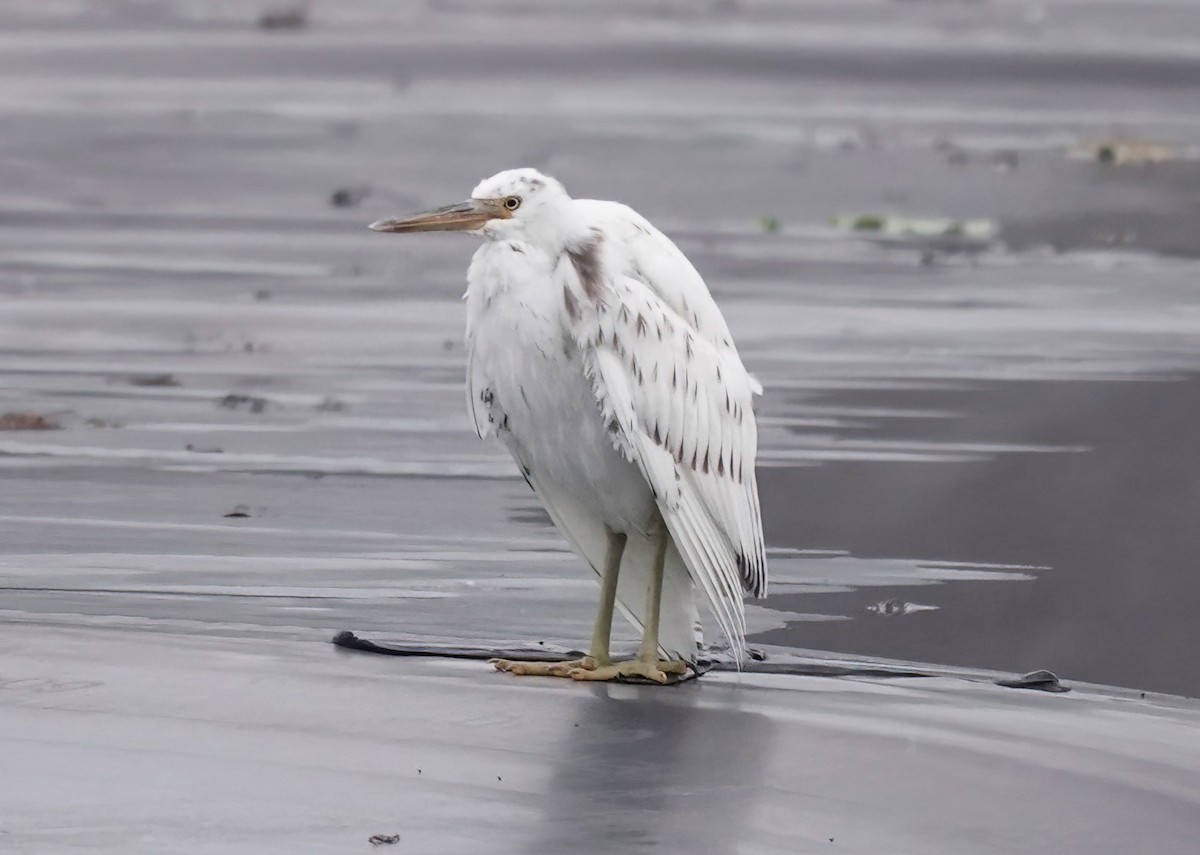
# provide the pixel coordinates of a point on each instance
(598, 653)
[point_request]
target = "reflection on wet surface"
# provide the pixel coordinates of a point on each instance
(261, 430)
(633, 783)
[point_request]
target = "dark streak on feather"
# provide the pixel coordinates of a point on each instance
(750, 581)
(586, 259)
(571, 303)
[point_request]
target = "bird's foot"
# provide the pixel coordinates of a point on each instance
(546, 669)
(653, 669)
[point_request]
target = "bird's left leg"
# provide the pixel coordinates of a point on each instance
(646, 664)
(601, 633)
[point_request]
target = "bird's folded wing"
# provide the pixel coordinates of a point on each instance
(663, 268)
(679, 406)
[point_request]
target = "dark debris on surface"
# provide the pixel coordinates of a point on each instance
(27, 421)
(153, 380)
(1041, 681)
(252, 403)
(294, 18)
(758, 662)
(349, 197)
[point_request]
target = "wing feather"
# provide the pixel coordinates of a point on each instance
(701, 467)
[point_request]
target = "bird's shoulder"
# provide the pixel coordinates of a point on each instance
(640, 251)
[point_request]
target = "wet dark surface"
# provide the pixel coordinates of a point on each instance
(977, 442)
(1109, 532)
(127, 741)
(997, 426)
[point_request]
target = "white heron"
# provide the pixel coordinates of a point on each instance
(598, 357)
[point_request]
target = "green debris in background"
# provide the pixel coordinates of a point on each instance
(867, 223)
(898, 226)
(769, 224)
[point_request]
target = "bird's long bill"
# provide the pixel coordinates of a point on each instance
(462, 217)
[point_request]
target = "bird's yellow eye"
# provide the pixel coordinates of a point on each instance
(512, 202)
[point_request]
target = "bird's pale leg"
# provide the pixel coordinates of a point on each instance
(646, 664)
(602, 631)
(598, 654)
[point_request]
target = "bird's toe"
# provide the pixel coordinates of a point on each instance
(536, 669)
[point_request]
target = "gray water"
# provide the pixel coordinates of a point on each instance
(975, 451)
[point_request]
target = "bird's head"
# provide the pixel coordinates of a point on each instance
(509, 205)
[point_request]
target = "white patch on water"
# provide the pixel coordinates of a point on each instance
(199, 461)
(796, 574)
